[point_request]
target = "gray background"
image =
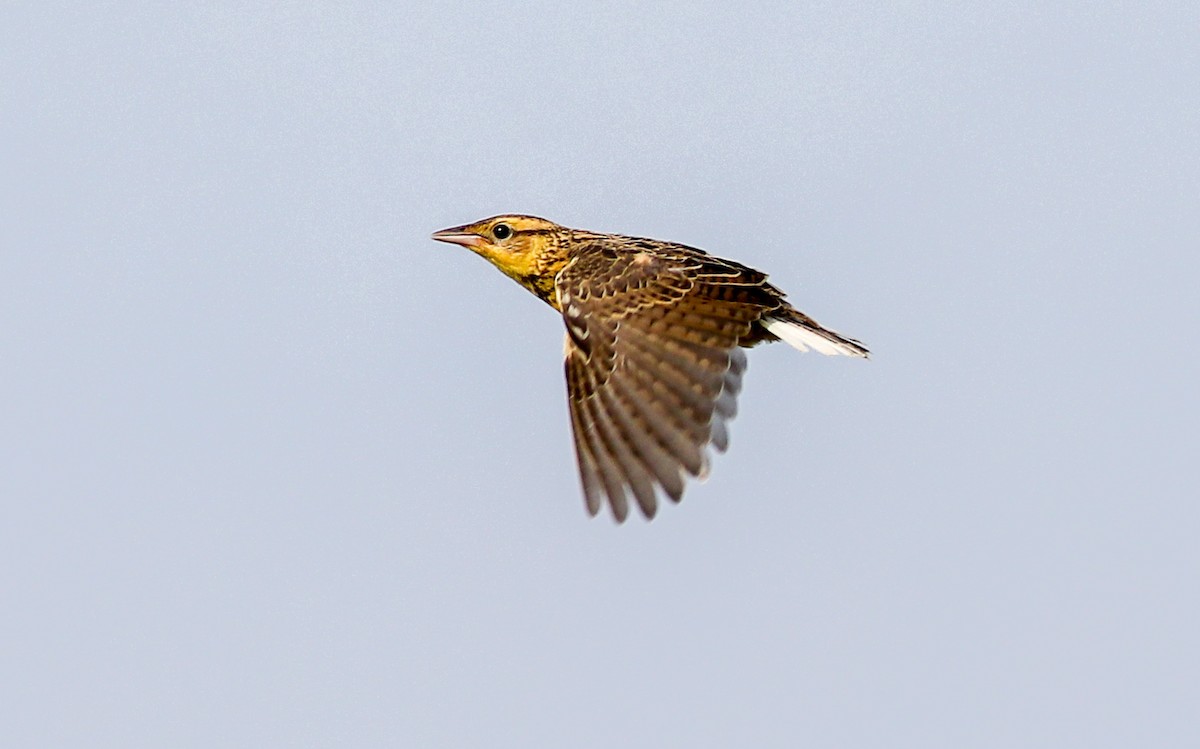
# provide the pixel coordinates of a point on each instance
(280, 471)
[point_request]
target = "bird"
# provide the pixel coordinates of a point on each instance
(653, 350)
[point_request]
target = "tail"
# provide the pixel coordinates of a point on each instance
(802, 332)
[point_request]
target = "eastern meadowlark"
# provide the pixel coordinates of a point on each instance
(655, 332)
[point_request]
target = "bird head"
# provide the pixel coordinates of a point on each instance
(525, 248)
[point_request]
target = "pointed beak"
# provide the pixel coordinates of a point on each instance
(458, 235)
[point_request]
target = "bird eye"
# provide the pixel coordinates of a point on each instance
(501, 231)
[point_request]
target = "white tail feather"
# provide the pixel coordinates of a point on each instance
(803, 338)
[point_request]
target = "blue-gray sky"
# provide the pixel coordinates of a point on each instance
(280, 471)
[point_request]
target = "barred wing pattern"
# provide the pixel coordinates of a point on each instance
(654, 364)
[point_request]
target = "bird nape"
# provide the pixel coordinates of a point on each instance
(654, 339)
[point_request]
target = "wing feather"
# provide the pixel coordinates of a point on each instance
(585, 450)
(611, 477)
(653, 369)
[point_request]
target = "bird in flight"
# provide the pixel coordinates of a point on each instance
(653, 349)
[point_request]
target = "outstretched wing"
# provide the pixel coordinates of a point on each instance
(653, 366)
